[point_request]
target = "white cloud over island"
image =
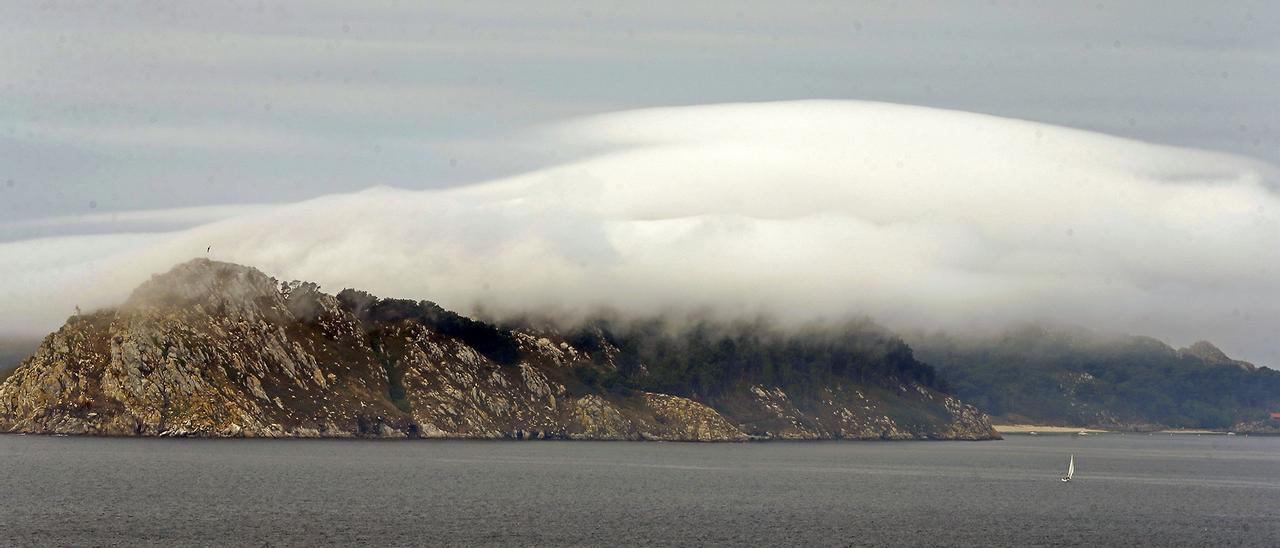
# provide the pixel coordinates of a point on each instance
(914, 216)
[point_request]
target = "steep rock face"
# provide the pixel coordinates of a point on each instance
(214, 349)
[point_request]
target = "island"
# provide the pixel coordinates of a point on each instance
(213, 349)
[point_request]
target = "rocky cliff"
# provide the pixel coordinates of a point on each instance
(219, 350)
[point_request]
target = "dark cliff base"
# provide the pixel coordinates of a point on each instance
(219, 350)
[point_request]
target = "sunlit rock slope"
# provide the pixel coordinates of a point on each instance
(221, 350)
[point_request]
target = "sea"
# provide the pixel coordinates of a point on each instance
(1128, 490)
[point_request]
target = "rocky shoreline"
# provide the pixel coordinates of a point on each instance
(220, 350)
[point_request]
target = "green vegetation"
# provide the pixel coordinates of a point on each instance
(1074, 377)
(496, 344)
(705, 359)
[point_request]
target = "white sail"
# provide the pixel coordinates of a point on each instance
(1071, 468)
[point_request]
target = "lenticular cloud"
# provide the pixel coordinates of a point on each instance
(807, 210)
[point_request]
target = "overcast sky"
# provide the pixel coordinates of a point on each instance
(134, 134)
(108, 106)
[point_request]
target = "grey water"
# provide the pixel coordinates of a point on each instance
(1129, 490)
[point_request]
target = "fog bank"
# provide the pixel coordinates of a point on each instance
(916, 217)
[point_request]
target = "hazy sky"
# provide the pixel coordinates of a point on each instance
(108, 106)
(134, 134)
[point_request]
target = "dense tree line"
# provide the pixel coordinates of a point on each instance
(1072, 376)
(494, 343)
(706, 358)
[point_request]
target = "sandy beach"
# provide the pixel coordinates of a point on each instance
(1028, 428)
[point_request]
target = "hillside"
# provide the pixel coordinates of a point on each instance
(1075, 377)
(216, 349)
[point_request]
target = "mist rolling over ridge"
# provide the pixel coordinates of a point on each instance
(801, 211)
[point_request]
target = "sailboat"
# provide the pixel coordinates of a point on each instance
(1071, 468)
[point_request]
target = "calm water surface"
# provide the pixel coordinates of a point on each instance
(1132, 489)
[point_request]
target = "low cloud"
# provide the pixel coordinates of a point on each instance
(917, 217)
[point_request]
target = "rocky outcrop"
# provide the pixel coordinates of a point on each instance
(1267, 427)
(1211, 354)
(220, 350)
(840, 411)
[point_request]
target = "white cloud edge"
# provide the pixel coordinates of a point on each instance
(1205, 231)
